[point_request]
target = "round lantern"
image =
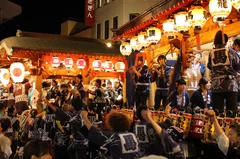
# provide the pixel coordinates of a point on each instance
(125, 49)
(142, 39)
(81, 63)
(55, 61)
(181, 22)
(236, 4)
(134, 43)
(169, 28)
(17, 72)
(108, 65)
(68, 62)
(4, 76)
(220, 9)
(197, 16)
(97, 65)
(153, 35)
(120, 66)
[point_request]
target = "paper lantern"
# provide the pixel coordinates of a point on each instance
(153, 35)
(120, 66)
(68, 62)
(220, 9)
(181, 22)
(134, 43)
(17, 72)
(4, 76)
(236, 4)
(81, 63)
(125, 49)
(142, 39)
(197, 16)
(169, 28)
(97, 65)
(55, 61)
(108, 65)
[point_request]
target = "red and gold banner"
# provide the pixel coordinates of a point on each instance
(89, 13)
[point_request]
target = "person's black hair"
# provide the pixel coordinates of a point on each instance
(77, 103)
(202, 81)
(161, 57)
(5, 123)
(80, 77)
(10, 110)
(139, 111)
(37, 148)
(218, 40)
(91, 106)
(99, 82)
(236, 127)
(55, 81)
(181, 81)
(2, 105)
(237, 41)
(45, 84)
(3, 155)
(112, 100)
(33, 113)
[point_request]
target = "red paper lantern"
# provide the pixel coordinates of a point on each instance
(55, 61)
(108, 65)
(97, 65)
(120, 66)
(81, 63)
(68, 62)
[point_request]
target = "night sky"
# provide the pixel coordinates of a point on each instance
(44, 16)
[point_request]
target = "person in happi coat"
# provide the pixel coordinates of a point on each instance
(118, 141)
(79, 86)
(161, 75)
(179, 98)
(21, 96)
(224, 64)
(202, 97)
(118, 94)
(155, 140)
(142, 80)
(79, 145)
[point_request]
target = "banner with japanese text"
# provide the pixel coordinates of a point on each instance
(89, 13)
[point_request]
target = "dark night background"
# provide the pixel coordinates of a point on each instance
(44, 16)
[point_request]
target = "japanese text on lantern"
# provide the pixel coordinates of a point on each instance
(89, 12)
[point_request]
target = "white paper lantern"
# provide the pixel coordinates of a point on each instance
(169, 28)
(81, 63)
(142, 39)
(197, 16)
(181, 22)
(55, 61)
(17, 72)
(220, 9)
(134, 43)
(108, 65)
(120, 66)
(236, 4)
(68, 62)
(125, 49)
(153, 35)
(4, 76)
(97, 65)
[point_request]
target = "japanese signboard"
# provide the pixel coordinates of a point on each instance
(89, 13)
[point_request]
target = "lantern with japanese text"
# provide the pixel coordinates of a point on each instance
(108, 65)
(125, 49)
(169, 28)
(181, 22)
(17, 72)
(197, 16)
(97, 65)
(153, 35)
(4, 76)
(220, 9)
(236, 4)
(134, 43)
(142, 39)
(68, 62)
(81, 63)
(120, 66)
(55, 61)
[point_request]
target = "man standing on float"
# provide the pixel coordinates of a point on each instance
(161, 77)
(224, 64)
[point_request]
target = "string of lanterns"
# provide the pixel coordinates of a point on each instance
(196, 17)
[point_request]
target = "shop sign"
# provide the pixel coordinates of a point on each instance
(89, 13)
